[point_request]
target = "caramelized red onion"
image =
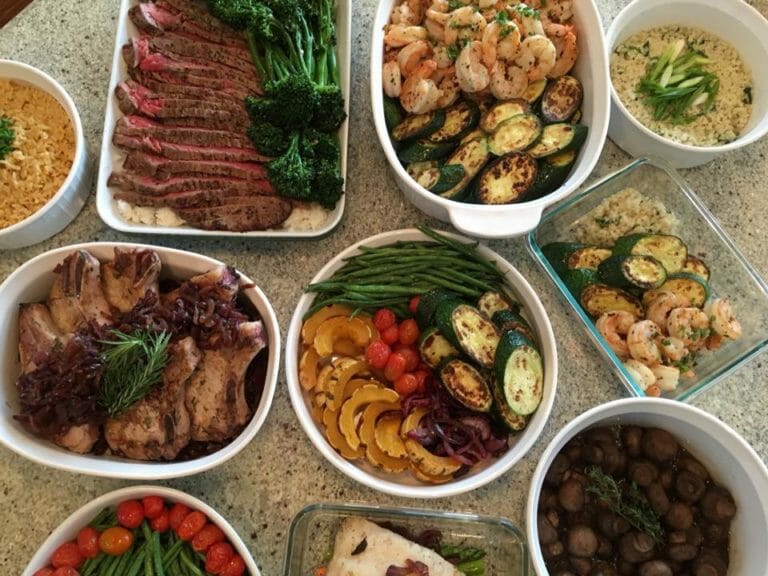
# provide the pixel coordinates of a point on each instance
(411, 568)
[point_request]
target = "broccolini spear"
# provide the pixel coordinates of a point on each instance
(290, 174)
(7, 136)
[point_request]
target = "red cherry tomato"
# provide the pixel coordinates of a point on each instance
(88, 542)
(191, 525)
(177, 514)
(67, 555)
(217, 557)
(161, 523)
(377, 353)
(209, 535)
(44, 572)
(391, 335)
(65, 571)
(408, 332)
(412, 357)
(130, 514)
(153, 506)
(383, 319)
(413, 304)
(395, 366)
(235, 567)
(422, 377)
(406, 385)
(115, 541)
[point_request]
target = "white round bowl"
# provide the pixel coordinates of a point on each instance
(62, 208)
(31, 282)
(67, 530)
(730, 460)
(734, 21)
(506, 221)
(404, 484)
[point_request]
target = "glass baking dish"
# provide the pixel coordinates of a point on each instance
(311, 536)
(731, 274)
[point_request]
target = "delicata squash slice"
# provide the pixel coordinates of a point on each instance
(337, 439)
(357, 402)
(311, 324)
(343, 370)
(387, 435)
(341, 327)
(368, 424)
(428, 463)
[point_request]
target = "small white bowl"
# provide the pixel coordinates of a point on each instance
(729, 459)
(734, 21)
(62, 208)
(67, 530)
(404, 484)
(31, 282)
(506, 221)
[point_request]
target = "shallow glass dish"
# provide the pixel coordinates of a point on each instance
(311, 536)
(731, 274)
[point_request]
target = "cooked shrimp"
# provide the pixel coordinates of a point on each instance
(537, 57)
(500, 41)
(439, 6)
(410, 12)
(464, 24)
(529, 25)
(691, 325)
(641, 342)
(559, 10)
(398, 35)
(564, 39)
(419, 93)
(722, 321)
(442, 56)
(667, 377)
(508, 81)
(391, 78)
(659, 308)
(672, 349)
(411, 56)
(614, 326)
(640, 373)
(471, 73)
(446, 81)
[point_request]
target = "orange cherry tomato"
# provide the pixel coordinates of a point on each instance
(67, 555)
(115, 540)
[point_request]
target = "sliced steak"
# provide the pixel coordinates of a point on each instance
(185, 151)
(191, 79)
(185, 45)
(140, 127)
(190, 199)
(148, 186)
(163, 168)
(258, 213)
(185, 91)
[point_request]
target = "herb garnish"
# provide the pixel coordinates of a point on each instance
(134, 363)
(454, 5)
(7, 136)
(526, 11)
(604, 222)
(747, 98)
(626, 501)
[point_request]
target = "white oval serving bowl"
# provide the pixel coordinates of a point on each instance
(31, 283)
(734, 21)
(68, 529)
(728, 458)
(505, 221)
(62, 208)
(404, 484)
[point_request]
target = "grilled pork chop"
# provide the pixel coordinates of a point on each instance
(216, 392)
(129, 277)
(157, 427)
(76, 297)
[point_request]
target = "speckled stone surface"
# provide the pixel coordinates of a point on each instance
(280, 472)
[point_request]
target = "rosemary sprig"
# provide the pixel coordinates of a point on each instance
(7, 136)
(630, 503)
(133, 363)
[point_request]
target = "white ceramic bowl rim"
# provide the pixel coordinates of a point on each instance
(466, 484)
(145, 470)
(80, 145)
(80, 517)
(614, 32)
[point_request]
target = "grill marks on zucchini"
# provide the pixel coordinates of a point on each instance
(508, 179)
(561, 137)
(466, 326)
(692, 286)
(644, 272)
(669, 250)
(501, 112)
(460, 119)
(472, 156)
(588, 257)
(435, 348)
(515, 134)
(561, 99)
(418, 126)
(520, 373)
(465, 383)
(597, 299)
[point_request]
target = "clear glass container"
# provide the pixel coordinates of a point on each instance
(731, 274)
(312, 532)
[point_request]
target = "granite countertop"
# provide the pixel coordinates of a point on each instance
(280, 472)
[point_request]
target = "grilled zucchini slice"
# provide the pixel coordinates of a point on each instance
(393, 113)
(694, 265)
(418, 126)
(435, 348)
(597, 299)
(692, 286)
(501, 112)
(535, 90)
(465, 383)
(511, 321)
(467, 329)
(426, 173)
(515, 134)
(491, 302)
(561, 99)
(557, 254)
(578, 279)
(553, 171)
(588, 257)
(460, 120)
(425, 311)
(644, 272)
(423, 150)
(509, 179)
(557, 138)
(472, 155)
(503, 412)
(667, 249)
(520, 373)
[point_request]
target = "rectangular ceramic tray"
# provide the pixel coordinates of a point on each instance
(731, 274)
(111, 156)
(311, 536)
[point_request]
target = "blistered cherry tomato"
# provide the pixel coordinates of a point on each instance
(44, 572)
(391, 335)
(115, 540)
(395, 366)
(88, 542)
(130, 514)
(235, 567)
(161, 523)
(153, 506)
(177, 514)
(412, 358)
(377, 353)
(406, 385)
(413, 304)
(422, 377)
(209, 535)
(408, 332)
(383, 318)
(191, 525)
(66, 571)
(68, 554)
(217, 557)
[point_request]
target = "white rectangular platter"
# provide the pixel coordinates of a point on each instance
(112, 157)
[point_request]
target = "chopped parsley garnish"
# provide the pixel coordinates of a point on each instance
(7, 136)
(526, 11)
(747, 98)
(604, 222)
(455, 5)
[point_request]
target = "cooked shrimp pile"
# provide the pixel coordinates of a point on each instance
(660, 348)
(437, 49)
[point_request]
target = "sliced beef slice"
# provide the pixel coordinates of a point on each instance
(190, 199)
(163, 168)
(258, 213)
(140, 127)
(149, 186)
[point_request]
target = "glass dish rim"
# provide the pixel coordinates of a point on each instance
(406, 512)
(714, 224)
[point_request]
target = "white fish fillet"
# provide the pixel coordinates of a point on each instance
(383, 549)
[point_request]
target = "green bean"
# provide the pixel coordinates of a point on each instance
(121, 566)
(89, 566)
(458, 288)
(472, 568)
(138, 561)
(148, 567)
(106, 567)
(173, 551)
(157, 554)
(469, 250)
(189, 563)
